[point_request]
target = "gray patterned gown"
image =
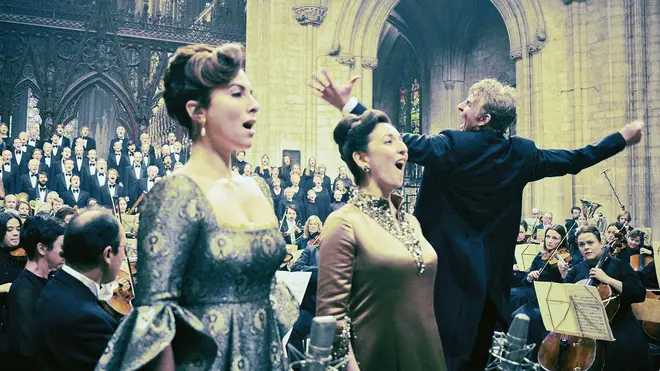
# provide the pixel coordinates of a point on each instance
(207, 289)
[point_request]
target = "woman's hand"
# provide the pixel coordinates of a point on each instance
(515, 268)
(599, 274)
(533, 275)
(563, 268)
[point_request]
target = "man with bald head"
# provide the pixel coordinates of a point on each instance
(71, 328)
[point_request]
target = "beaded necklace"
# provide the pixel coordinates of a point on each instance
(379, 210)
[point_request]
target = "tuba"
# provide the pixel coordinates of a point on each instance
(589, 208)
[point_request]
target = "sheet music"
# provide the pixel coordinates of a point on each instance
(573, 309)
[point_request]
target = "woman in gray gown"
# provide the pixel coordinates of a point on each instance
(206, 294)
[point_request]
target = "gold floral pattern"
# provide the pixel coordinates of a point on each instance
(212, 286)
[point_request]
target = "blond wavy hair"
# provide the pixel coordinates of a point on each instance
(497, 100)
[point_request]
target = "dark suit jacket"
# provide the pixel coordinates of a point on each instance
(309, 262)
(83, 197)
(23, 165)
(104, 198)
(10, 179)
(58, 184)
(78, 170)
(469, 206)
(25, 184)
(37, 144)
(93, 187)
(33, 194)
(124, 146)
(91, 143)
(71, 328)
(183, 158)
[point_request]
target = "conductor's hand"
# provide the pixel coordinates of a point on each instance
(533, 275)
(632, 132)
(325, 87)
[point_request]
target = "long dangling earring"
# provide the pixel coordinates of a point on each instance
(202, 123)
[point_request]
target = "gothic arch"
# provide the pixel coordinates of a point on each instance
(75, 91)
(360, 24)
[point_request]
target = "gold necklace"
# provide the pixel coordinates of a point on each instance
(379, 210)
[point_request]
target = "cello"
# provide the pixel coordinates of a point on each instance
(559, 352)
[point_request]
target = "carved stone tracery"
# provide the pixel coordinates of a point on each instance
(307, 15)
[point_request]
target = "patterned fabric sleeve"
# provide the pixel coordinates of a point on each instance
(170, 226)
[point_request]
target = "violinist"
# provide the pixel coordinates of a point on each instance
(549, 266)
(311, 231)
(624, 217)
(519, 275)
(41, 237)
(12, 262)
(630, 350)
(290, 230)
(71, 329)
(616, 236)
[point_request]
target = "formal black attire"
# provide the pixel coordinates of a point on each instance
(119, 166)
(179, 157)
(124, 146)
(71, 328)
(22, 299)
(284, 229)
(307, 262)
(21, 165)
(69, 198)
(27, 181)
(469, 207)
(105, 198)
(9, 178)
(96, 184)
(630, 350)
(10, 268)
(35, 143)
(88, 143)
(39, 193)
(60, 185)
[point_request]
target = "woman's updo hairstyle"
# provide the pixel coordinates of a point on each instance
(193, 72)
(352, 135)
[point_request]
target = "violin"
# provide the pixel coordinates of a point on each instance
(552, 257)
(121, 302)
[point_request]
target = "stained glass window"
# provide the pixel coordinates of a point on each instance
(403, 112)
(414, 108)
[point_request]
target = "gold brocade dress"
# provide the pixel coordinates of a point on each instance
(207, 289)
(369, 275)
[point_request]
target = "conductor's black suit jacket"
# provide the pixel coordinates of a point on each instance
(469, 207)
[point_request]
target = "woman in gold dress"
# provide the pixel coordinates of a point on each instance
(376, 270)
(206, 294)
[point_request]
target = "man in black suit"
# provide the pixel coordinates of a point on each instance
(55, 143)
(121, 138)
(40, 192)
(9, 173)
(178, 155)
(25, 147)
(99, 180)
(63, 141)
(149, 181)
(48, 159)
(71, 328)
(89, 169)
(165, 164)
(88, 142)
(111, 191)
(33, 139)
(41, 237)
(20, 158)
(29, 181)
(58, 167)
(148, 151)
(572, 226)
(76, 196)
(62, 182)
(118, 160)
(134, 174)
(470, 176)
(78, 159)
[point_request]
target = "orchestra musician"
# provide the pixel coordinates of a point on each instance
(518, 274)
(630, 350)
(41, 237)
(289, 228)
(619, 248)
(549, 266)
(71, 328)
(469, 176)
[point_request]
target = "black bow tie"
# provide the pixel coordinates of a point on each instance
(117, 153)
(56, 146)
(92, 165)
(42, 189)
(137, 166)
(75, 191)
(111, 186)
(33, 175)
(18, 152)
(79, 158)
(67, 174)
(101, 174)
(46, 156)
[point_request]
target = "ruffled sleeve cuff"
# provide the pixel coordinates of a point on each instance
(148, 330)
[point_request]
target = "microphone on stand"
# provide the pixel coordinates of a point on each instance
(318, 356)
(508, 351)
(606, 171)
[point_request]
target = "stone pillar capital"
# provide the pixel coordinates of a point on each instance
(346, 60)
(370, 63)
(310, 14)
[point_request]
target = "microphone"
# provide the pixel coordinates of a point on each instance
(318, 356)
(606, 171)
(508, 351)
(319, 350)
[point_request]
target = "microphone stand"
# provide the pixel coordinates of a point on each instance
(623, 207)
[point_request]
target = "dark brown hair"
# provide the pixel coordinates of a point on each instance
(193, 72)
(352, 135)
